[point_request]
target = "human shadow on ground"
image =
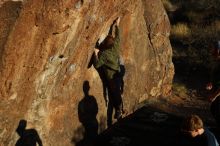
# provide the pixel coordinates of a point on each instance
(87, 111)
(28, 137)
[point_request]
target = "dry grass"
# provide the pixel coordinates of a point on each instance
(169, 6)
(180, 31)
(217, 25)
(195, 27)
(180, 88)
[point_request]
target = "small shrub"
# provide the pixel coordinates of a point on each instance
(180, 31)
(179, 88)
(168, 5)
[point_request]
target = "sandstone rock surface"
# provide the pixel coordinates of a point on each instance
(45, 50)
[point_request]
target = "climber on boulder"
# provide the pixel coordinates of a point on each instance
(107, 59)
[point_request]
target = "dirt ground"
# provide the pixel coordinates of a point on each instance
(189, 95)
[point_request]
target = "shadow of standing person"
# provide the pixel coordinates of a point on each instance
(28, 137)
(87, 111)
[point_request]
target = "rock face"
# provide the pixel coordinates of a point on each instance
(45, 51)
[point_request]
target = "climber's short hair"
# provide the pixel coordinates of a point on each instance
(191, 123)
(109, 41)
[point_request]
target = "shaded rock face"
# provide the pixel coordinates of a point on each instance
(9, 11)
(45, 53)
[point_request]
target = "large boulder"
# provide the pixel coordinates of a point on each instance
(45, 50)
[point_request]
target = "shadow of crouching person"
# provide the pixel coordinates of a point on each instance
(28, 137)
